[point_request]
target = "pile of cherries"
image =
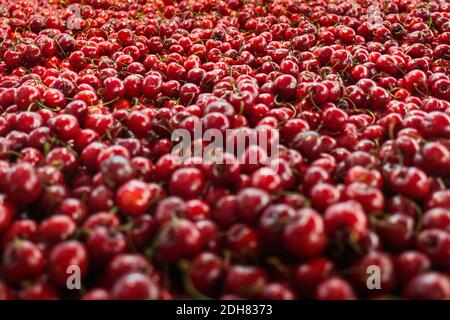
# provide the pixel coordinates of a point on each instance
(356, 205)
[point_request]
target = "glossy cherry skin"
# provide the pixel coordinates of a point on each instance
(334, 288)
(22, 260)
(134, 197)
(206, 273)
(305, 236)
(179, 239)
(62, 259)
(187, 182)
(135, 286)
(429, 286)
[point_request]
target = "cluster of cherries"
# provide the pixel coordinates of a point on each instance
(91, 91)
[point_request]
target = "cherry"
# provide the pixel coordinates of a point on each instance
(104, 243)
(152, 85)
(305, 236)
(225, 211)
(116, 170)
(309, 274)
(285, 85)
(12, 58)
(247, 281)
(97, 294)
(73, 208)
(135, 286)
(169, 208)
(360, 174)
(62, 158)
(134, 197)
(334, 119)
(411, 263)
(197, 210)
(56, 228)
(310, 144)
(133, 85)
(179, 239)
(347, 217)
(38, 291)
(437, 218)
(26, 96)
(5, 291)
(65, 126)
(411, 182)
(334, 288)
(278, 291)
(440, 198)
(113, 88)
(324, 195)
(100, 198)
(206, 273)
(28, 121)
(22, 260)
(272, 221)
(353, 101)
(143, 167)
(187, 183)
(397, 231)
(142, 231)
(101, 219)
(139, 123)
(435, 155)
(243, 241)
(25, 229)
(25, 185)
(251, 202)
(215, 120)
(434, 243)
(387, 272)
(429, 286)
(266, 179)
(64, 256)
(126, 263)
(7, 214)
(293, 126)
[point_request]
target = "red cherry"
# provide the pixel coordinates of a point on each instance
(429, 286)
(113, 88)
(435, 243)
(334, 288)
(63, 257)
(126, 263)
(179, 239)
(387, 272)
(22, 260)
(25, 185)
(345, 217)
(305, 236)
(135, 286)
(248, 281)
(411, 263)
(7, 214)
(251, 202)
(187, 183)
(286, 86)
(134, 197)
(104, 243)
(206, 273)
(56, 228)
